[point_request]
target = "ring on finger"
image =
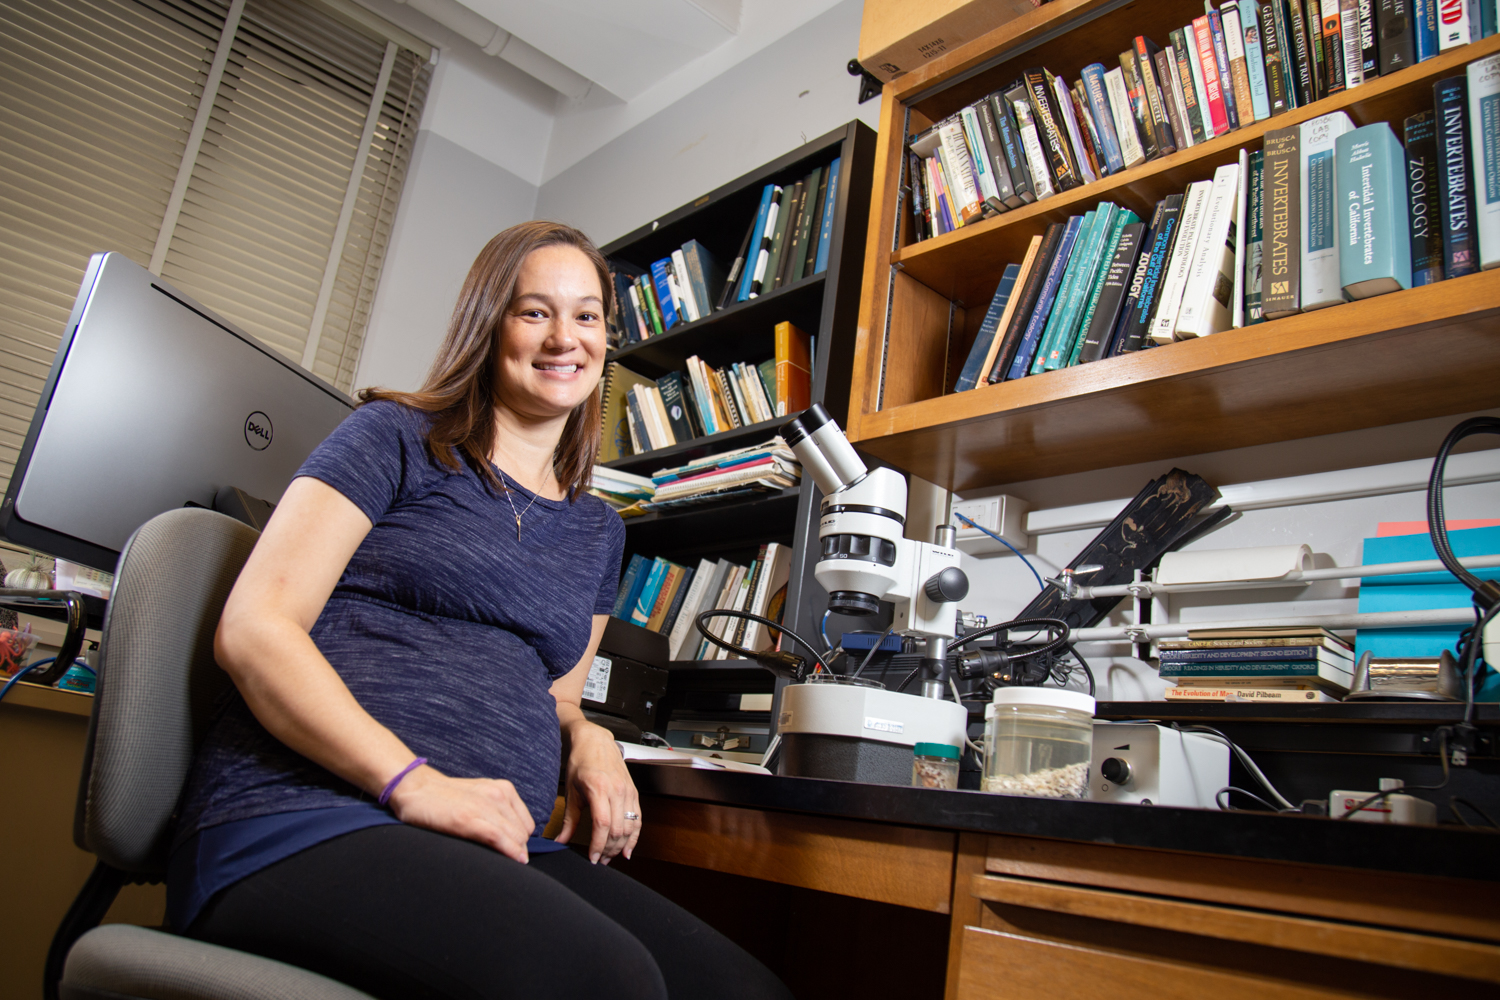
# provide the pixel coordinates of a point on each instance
(632, 815)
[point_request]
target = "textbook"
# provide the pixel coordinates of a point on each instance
(1169, 299)
(1038, 320)
(1010, 144)
(1254, 270)
(1036, 159)
(1281, 208)
(1124, 122)
(985, 340)
(1111, 298)
(1056, 340)
(1277, 87)
(1374, 241)
(1422, 199)
(1455, 180)
(1146, 285)
(1255, 65)
(1210, 280)
(1028, 291)
(1123, 219)
(1094, 86)
(1484, 127)
(1320, 257)
(758, 231)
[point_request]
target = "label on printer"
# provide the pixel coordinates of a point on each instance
(883, 725)
(596, 685)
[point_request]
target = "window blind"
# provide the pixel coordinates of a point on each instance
(98, 102)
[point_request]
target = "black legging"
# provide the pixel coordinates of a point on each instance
(402, 912)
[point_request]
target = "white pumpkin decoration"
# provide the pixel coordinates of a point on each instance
(31, 577)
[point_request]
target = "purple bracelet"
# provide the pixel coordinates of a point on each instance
(391, 785)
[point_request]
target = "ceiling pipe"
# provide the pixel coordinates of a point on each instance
(494, 40)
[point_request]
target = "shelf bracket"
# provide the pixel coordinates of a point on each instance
(869, 85)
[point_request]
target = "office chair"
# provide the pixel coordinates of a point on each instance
(158, 684)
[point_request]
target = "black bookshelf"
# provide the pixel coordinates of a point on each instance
(824, 305)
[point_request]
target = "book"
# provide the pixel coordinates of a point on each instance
(1118, 98)
(1239, 69)
(1179, 264)
(1455, 180)
(1183, 84)
(1281, 206)
(1139, 112)
(616, 388)
(1322, 670)
(704, 274)
(680, 591)
(759, 259)
(1112, 292)
(1010, 144)
(1454, 24)
(819, 204)
(663, 290)
(1050, 132)
(1339, 657)
(1057, 337)
(1095, 289)
(986, 339)
(1146, 283)
(958, 170)
(1302, 52)
(1254, 239)
(1074, 135)
(999, 161)
(829, 205)
(1054, 319)
(1255, 60)
(1352, 54)
(802, 243)
(775, 570)
(630, 586)
(1295, 695)
(1145, 53)
(1209, 285)
(1424, 29)
(681, 286)
(767, 280)
(1030, 340)
(1023, 301)
(1275, 59)
(1396, 35)
(1226, 71)
(1171, 94)
(1420, 132)
(1484, 128)
(1036, 159)
(1315, 46)
(1195, 70)
(793, 370)
(1369, 46)
(984, 171)
(1320, 286)
(1321, 638)
(674, 400)
(1090, 127)
(645, 603)
(683, 625)
(671, 579)
(1217, 122)
(758, 232)
(1374, 232)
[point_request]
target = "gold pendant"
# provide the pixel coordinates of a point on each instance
(518, 527)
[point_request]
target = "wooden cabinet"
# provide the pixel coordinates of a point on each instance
(1041, 919)
(1425, 352)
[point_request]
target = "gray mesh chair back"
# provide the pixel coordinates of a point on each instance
(158, 683)
(158, 686)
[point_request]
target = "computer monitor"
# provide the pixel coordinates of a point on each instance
(155, 403)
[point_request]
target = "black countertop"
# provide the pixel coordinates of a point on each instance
(1453, 852)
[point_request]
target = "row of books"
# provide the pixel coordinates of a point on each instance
(1239, 64)
(788, 240)
(668, 598)
(1324, 213)
(642, 414)
(767, 467)
(1287, 664)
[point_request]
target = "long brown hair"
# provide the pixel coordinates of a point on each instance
(460, 390)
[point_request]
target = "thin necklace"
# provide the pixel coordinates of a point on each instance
(512, 503)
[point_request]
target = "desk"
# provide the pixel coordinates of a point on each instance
(1045, 899)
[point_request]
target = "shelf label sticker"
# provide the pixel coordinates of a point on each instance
(883, 725)
(596, 686)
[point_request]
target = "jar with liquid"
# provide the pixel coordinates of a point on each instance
(1038, 741)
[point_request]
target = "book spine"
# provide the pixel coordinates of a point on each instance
(1255, 61)
(1239, 70)
(1484, 127)
(1145, 67)
(663, 289)
(1396, 35)
(1254, 239)
(1320, 256)
(969, 377)
(1375, 245)
(681, 285)
(958, 170)
(1314, 17)
(1184, 84)
(1097, 254)
(1276, 82)
(1349, 29)
(994, 146)
(1146, 288)
(984, 177)
(830, 204)
(1056, 340)
(1424, 29)
(1049, 132)
(1119, 103)
(1456, 187)
(1207, 292)
(762, 257)
(646, 603)
(1281, 202)
(1010, 143)
(669, 583)
(1225, 70)
(1090, 127)
(1422, 197)
(1171, 94)
(1218, 113)
(798, 267)
(1195, 68)
(627, 585)
(778, 239)
(1169, 300)
(1028, 294)
(1369, 39)
(1035, 158)
(1071, 131)
(1038, 321)
(1061, 300)
(692, 253)
(1123, 219)
(1453, 24)
(1242, 654)
(1239, 694)
(1270, 668)
(757, 231)
(1112, 293)
(1302, 52)
(1140, 113)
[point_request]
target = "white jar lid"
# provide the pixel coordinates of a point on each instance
(1046, 697)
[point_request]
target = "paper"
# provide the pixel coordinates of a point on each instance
(596, 685)
(1266, 562)
(677, 758)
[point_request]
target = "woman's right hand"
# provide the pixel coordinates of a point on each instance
(486, 811)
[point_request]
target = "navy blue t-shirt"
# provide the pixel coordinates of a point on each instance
(445, 628)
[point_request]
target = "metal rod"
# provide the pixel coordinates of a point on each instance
(1145, 588)
(1369, 619)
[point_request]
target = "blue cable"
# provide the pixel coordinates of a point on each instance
(21, 673)
(1039, 581)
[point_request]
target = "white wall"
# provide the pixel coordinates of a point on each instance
(772, 102)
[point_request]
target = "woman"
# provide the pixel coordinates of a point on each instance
(409, 641)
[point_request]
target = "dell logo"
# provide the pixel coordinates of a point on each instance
(258, 431)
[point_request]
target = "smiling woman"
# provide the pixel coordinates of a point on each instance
(410, 676)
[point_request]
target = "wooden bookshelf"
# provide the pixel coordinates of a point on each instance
(1425, 352)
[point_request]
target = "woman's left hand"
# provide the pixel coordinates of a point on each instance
(597, 773)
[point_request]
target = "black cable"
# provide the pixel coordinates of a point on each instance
(740, 650)
(1453, 804)
(1055, 625)
(868, 656)
(1218, 801)
(1085, 665)
(1486, 592)
(908, 678)
(1382, 796)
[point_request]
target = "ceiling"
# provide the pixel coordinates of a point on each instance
(623, 46)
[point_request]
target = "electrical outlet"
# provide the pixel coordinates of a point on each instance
(1004, 515)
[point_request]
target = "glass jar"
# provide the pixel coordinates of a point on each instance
(1038, 741)
(935, 765)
